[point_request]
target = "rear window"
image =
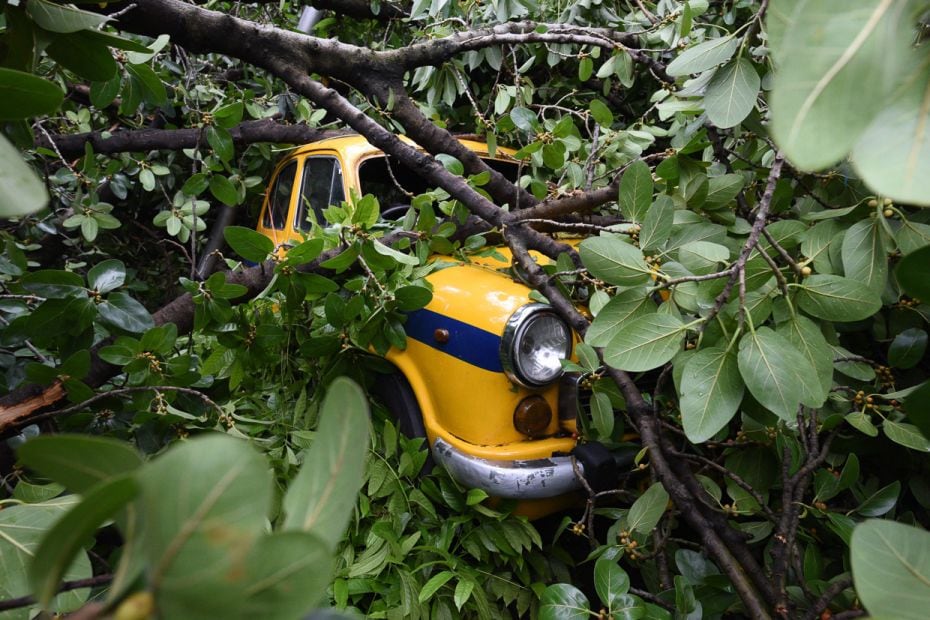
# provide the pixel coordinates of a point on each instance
(321, 188)
(394, 184)
(280, 198)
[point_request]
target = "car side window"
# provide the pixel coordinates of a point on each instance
(280, 199)
(322, 187)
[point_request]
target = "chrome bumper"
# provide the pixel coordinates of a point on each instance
(536, 479)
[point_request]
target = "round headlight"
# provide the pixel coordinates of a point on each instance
(535, 342)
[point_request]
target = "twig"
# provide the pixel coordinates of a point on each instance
(67, 586)
(120, 392)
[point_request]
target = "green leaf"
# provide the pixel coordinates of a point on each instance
(287, 576)
(602, 415)
(648, 508)
(435, 582)
(614, 261)
(223, 190)
(206, 523)
(601, 113)
(249, 244)
(122, 311)
(221, 142)
(911, 274)
(806, 336)
(62, 18)
(645, 342)
(721, 190)
(636, 189)
(562, 601)
(79, 462)
(893, 154)
(400, 257)
(777, 374)
(711, 391)
(23, 95)
(65, 540)
(835, 298)
(621, 308)
(819, 108)
(891, 569)
(610, 581)
(412, 297)
(524, 119)
(21, 191)
(107, 275)
(657, 225)
(880, 502)
(585, 68)
(906, 435)
(917, 406)
(731, 94)
(865, 259)
(322, 495)
(150, 81)
(907, 348)
(83, 54)
(861, 422)
(21, 530)
(703, 56)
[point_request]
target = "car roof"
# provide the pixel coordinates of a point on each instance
(357, 147)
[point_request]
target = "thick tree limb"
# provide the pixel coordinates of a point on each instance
(359, 9)
(248, 132)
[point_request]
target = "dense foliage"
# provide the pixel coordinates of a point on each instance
(748, 299)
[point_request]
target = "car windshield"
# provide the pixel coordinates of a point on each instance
(394, 184)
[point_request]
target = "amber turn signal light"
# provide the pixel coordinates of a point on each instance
(532, 416)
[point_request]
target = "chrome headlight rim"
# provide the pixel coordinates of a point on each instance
(514, 331)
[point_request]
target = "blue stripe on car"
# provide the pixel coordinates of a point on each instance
(466, 342)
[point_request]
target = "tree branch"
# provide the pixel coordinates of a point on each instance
(248, 132)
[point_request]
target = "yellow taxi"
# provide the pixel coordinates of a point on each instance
(481, 376)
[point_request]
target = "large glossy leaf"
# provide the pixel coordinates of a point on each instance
(907, 348)
(636, 188)
(835, 298)
(865, 258)
(83, 54)
(610, 581)
(621, 308)
(614, 261)
(645, 342)
(322, 495)
(732, 92)
(911, 274)
(21, 191)
(777, 374)
(65, 540)
(79, 462)
(893, 154)
(562, 601)
(648, 508)
(906, 435)
(249, 244)
(122, 311)
(703, 56)
(819, 108)
(106, 275)
(891, 569)
(62, 18)
(809, 340)
(287, 576)
(711, 391)
(657, 225)
(21, 529)
(23, 95)
(917, 406)
(210, 497)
